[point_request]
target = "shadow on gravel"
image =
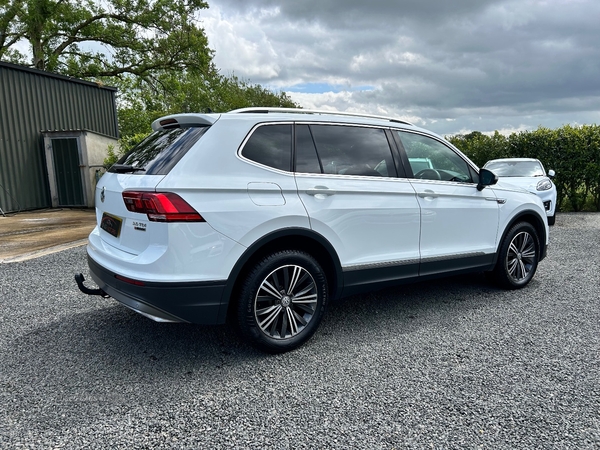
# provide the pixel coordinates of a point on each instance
(139, 348)
(403, 304)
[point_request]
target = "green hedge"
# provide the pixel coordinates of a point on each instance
(572, 152)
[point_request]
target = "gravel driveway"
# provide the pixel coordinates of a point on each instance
(454, 363)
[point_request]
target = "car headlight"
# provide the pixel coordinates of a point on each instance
(544, 185)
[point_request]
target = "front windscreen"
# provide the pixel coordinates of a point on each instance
(159, 152)
(516, 168)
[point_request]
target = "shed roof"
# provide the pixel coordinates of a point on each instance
(54, 75)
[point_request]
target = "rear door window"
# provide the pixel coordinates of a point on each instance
(159, 152)
(307, 160)
(350, 150)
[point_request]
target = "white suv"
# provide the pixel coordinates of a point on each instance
(264, 215)
(528, 173)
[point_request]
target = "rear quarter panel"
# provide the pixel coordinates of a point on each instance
(238, 198)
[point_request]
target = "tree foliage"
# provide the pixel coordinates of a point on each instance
(184, 92)
(141, 103)
(93, 39)
(153, 51)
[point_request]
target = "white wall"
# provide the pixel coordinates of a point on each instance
(93, 149)
(96, 147)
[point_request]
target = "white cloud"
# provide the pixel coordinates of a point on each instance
(347, 101)
(464, 65)
(241, 46)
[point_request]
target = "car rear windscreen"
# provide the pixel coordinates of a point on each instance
(159, 152)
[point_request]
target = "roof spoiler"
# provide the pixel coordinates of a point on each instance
(184, 120)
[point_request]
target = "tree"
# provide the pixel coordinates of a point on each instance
(109, 38)
(153, 51)
(180, 92)
(480, 147)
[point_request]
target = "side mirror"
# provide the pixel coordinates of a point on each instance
(486, 178)
(551, 173)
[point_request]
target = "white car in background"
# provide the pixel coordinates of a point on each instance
(528, 173)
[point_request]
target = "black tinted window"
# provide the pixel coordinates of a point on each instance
(307, 160)
(270, 145)
(348, 150)
(159, 152)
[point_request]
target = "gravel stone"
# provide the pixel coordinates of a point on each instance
(450, 363)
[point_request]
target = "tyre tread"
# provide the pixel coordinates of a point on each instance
(246, 323)
(500, 274)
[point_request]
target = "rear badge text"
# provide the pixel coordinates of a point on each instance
(141, 226)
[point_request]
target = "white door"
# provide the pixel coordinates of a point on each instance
(354, 199)
(459, 223)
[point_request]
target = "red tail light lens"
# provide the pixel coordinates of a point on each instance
(161, 206)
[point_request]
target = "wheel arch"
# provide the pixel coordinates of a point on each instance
(536, 221)
(291, 238)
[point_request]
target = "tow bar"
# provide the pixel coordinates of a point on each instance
(79, 279)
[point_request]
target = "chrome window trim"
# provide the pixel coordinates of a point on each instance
(241, 157)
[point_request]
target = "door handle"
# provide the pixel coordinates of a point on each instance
(320, 190)
(428, 194)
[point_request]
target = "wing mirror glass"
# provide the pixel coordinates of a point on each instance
(486, 178)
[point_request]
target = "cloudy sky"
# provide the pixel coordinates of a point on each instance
(449, 66)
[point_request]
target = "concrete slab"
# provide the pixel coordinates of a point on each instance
(31, 234)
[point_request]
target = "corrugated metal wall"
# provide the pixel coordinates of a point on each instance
(32, 101)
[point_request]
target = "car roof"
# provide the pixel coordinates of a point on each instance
(262, 110)
(261, 115)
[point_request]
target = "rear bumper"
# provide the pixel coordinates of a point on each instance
(164, 302)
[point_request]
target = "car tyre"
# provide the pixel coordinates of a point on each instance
(282, 301)
(519, 256)
(552, 219)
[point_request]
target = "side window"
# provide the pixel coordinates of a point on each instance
(431, 160)
(270, 145)
(307, 160)
(347, 150)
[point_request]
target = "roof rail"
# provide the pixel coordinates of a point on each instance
(315, 111)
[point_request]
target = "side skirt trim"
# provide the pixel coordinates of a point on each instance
(405, 262)
(368, 277)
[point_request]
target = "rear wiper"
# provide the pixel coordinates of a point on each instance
(125, 168)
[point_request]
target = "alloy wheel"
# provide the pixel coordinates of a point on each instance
(521, 256)
(285, 302)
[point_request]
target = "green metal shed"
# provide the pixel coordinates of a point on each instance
(32, 103)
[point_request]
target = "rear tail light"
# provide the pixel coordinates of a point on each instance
(161, 206)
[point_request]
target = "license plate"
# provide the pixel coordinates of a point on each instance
(111, 224)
